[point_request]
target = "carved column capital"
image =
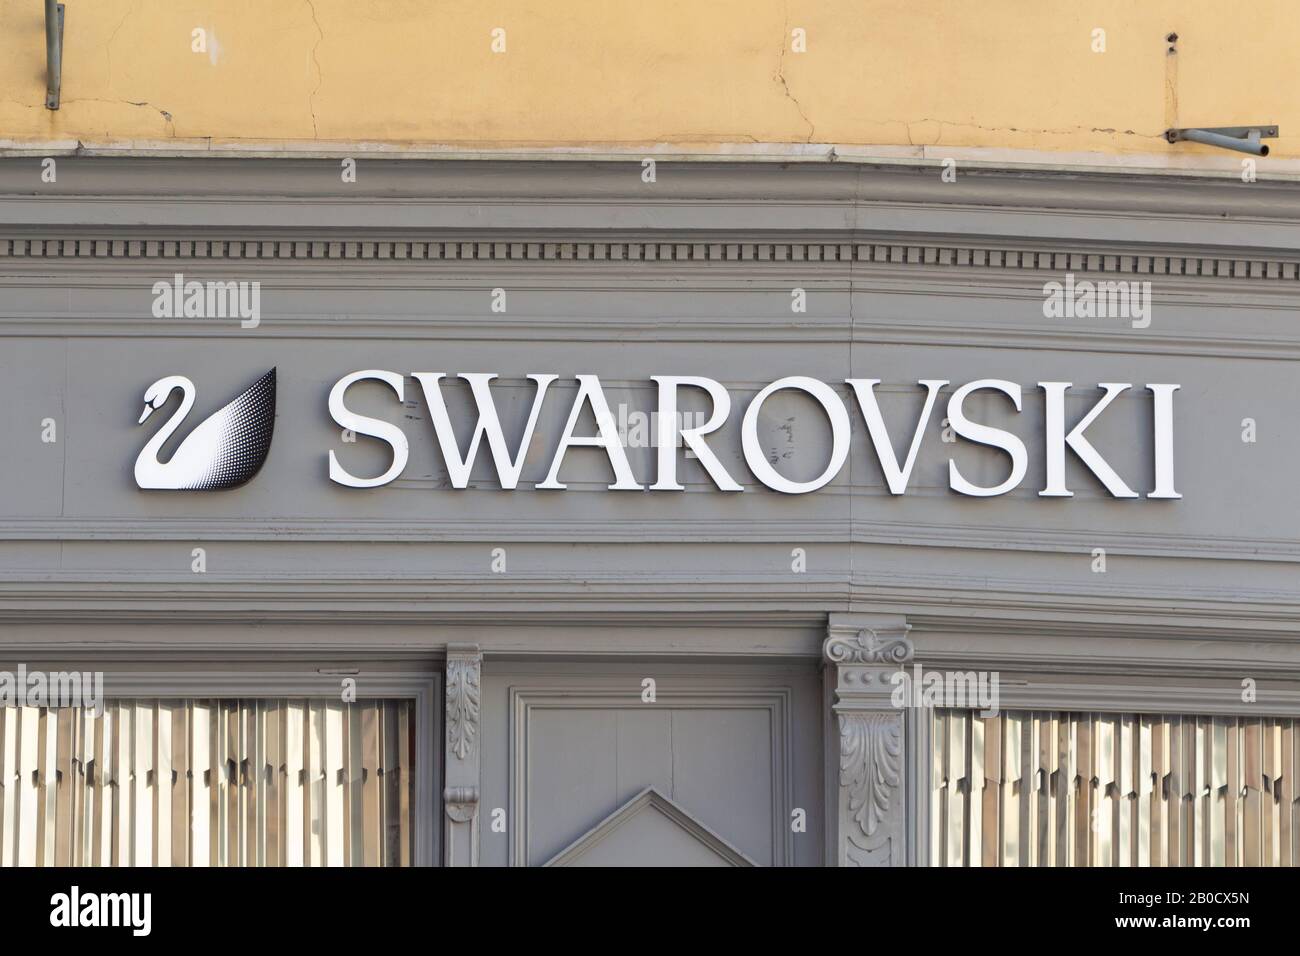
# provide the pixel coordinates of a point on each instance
(461, 791)
(865, 652)
(867, 645)
(867, 639)
(862, 653)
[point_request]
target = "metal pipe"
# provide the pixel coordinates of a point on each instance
(53, 53)
(1240, 144)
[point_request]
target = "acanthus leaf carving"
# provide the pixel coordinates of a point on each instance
(871, 774)
(462, 706)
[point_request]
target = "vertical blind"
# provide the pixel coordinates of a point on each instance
(286, 782)
(1079, 789)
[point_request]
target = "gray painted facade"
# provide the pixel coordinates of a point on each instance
(771, 681)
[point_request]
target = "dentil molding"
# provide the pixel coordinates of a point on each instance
(965, 255)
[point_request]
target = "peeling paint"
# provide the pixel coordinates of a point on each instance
(214, 47)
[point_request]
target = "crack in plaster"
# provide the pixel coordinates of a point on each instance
(320, 76)
(167, 117)
(1051, 131)
(780, 77)
(108, 47)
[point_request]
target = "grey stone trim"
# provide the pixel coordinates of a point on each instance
(687, 249)
(1205, 547)
(283, 208)
(675, 600)
(647, 798)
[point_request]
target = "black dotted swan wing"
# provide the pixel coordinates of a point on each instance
(246, 424)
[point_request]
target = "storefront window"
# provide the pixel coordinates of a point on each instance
(224, 782)
(1081, 789)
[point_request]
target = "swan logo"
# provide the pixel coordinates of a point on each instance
(223, 451)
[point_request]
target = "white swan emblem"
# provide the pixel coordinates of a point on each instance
(223, 451)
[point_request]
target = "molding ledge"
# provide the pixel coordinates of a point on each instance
(969, 253)
(481, 209)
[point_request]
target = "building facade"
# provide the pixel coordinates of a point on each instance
(527, 661)
(422, 498)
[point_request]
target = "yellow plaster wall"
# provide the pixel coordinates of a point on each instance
(694, 74)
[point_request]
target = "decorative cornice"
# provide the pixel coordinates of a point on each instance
(713, 212)
(1190, 612)
(362, 531)
(971, 254)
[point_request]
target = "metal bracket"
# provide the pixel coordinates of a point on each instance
(1243, 139)
(53, 53)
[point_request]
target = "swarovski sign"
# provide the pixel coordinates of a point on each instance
(672, 434)
(229, 447)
